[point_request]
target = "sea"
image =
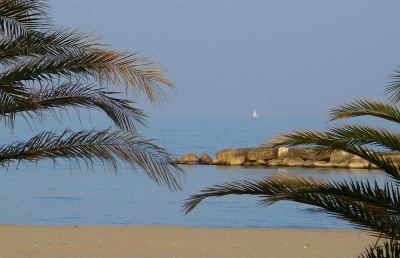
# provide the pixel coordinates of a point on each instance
(45, 193)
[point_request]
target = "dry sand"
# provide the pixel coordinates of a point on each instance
(160, 242)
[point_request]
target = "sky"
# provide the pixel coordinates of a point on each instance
(228, 57)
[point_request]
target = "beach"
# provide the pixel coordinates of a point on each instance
(177, 242)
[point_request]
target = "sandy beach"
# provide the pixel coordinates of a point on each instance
(176, 242)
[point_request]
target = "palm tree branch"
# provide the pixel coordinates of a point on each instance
(19, 16)
(102, 65)
(106, 146)
(328, 142)
(364, 107)
(35, 43)
(360, 204)
(387, 249)
(366, 135)
(71, 94)
(393, 89)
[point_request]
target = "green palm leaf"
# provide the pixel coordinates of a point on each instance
(35, 43)
(328, 141)
(102, 65)
(366, 135)
(363, 107)
(393, 89)
(389, 249)
(368, 207)
(44, 68)
(108, 147)
(76, 95)
(19, 16)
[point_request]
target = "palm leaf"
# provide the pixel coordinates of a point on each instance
(35, 43)
(389, 249)
(366, 135)
(102, 65)
(364, 107)
(393, 89)
(368, 207)
(329, 141)
(108, 147)
(19, 16)
(76, 95)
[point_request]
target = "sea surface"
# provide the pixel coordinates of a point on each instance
(48, 194)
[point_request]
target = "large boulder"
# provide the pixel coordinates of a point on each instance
(358, 162)
(308, 154)
(236, 160)
(189, 158)
(274, 163)
(293, 162)
(340, 156)
(281, 153)
(216, 162)
(249, 164)
(264, 153)
(261, 162)
(205, 159)
(317, 164)
(233, 156)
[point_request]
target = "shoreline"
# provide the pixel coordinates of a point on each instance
(171, 241)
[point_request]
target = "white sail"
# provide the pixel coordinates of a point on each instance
(255, 114)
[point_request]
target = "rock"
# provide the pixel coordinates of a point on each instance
(316, 164)
(232, 156)
(309, 164)
(373, 166)
(189, 158)
(261, 162)
(281, 153)
(249, 164)
(282, 156)
(357, 162)
(293, 162)
(205, 159)
(321, 164)
(264, 153)
(236, 161)
(340, 156)
(338, 164)
(216, 162)
(301, 153)
(274, 162)
(308, 154)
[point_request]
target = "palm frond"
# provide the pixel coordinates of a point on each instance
(105, 66)
(363, 107)
(389, 249)
(108, 147)
(12, 93)
(34, 43)
(19, 16)
(393, 89)
(328, 141)
(368, 207)
(69, 94)
(366, 135)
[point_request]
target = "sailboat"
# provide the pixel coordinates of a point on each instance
(255, 114)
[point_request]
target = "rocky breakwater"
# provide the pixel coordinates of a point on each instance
(282, 157)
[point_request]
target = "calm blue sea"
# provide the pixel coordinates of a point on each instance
(46, 195)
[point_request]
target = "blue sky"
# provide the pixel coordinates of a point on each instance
(227, 57)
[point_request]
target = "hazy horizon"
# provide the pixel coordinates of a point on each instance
(284, 58)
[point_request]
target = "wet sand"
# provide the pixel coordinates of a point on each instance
(177, 242)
